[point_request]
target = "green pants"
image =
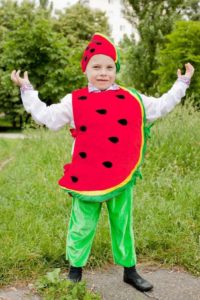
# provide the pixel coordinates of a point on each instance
(82, 226)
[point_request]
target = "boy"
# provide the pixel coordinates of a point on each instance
(108, 124)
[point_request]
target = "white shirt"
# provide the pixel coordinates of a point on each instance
(58, 115)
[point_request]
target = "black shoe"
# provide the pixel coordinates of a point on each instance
(133, 278)
(75, 274)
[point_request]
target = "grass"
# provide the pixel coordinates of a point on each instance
(35, 211)
(7, 149)
(52, 286)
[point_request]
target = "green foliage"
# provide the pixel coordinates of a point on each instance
(51, 286)
(153, 20)
(182, 46)
(45, 4)
(78, 23)
(166, 201)
(49, 48)
(7, 147)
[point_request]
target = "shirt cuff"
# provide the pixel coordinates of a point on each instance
(26, 87)
(184, 79)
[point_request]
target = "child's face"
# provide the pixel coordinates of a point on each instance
(101, 71)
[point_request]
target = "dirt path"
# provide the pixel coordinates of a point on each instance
(12, 135)
(168, 285)
(9, 136)
(5, 162)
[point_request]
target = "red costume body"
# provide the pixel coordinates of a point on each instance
(109, 143)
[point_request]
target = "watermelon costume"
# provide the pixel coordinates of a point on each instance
(109, 148)
(109, 144)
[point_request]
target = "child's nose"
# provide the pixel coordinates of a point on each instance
(103, 72)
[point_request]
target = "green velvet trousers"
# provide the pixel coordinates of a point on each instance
(82, 227)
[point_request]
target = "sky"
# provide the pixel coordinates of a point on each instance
(59, 4)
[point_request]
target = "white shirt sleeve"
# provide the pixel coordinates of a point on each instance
(54, 116)
(158, 107)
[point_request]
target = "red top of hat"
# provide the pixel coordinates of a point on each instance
(99, 44)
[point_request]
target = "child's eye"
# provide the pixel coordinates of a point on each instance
(110, 67)
(96, 67)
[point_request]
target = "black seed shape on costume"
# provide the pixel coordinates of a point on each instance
(82, 97)
(92, 50)
(101, 111)
(83, 128)
(113, 139)
(123, 121)
(107, 164)
(98, 43)
(87, 48)
(120, 96)
(85, 58)
(74, 178)
(82, 154)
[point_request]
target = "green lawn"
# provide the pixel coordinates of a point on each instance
(35, 211)
(7, 149)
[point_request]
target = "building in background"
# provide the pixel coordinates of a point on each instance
(113, 9)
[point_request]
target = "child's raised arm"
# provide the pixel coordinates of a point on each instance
(158, 107)
(54, 116)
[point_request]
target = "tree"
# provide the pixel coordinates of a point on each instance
(182, 45)
(33, 40)
(30, 43)
(78, 23)
(153, 19)
(45, 4)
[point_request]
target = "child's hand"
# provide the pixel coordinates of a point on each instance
(20, 81)
(189, 71)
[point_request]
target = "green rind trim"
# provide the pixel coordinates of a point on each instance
(104, 197)
(118, 60)
(146, 130)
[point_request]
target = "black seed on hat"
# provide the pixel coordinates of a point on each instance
(87, 48)
(107, 164)
(74, 178)
(92, 50)
(82, 97)
(85, 58)
(101, 111)
(83, 128)
(123, 121)
(113, 139)
(83, 154)
(120, 96)
(98, 43)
